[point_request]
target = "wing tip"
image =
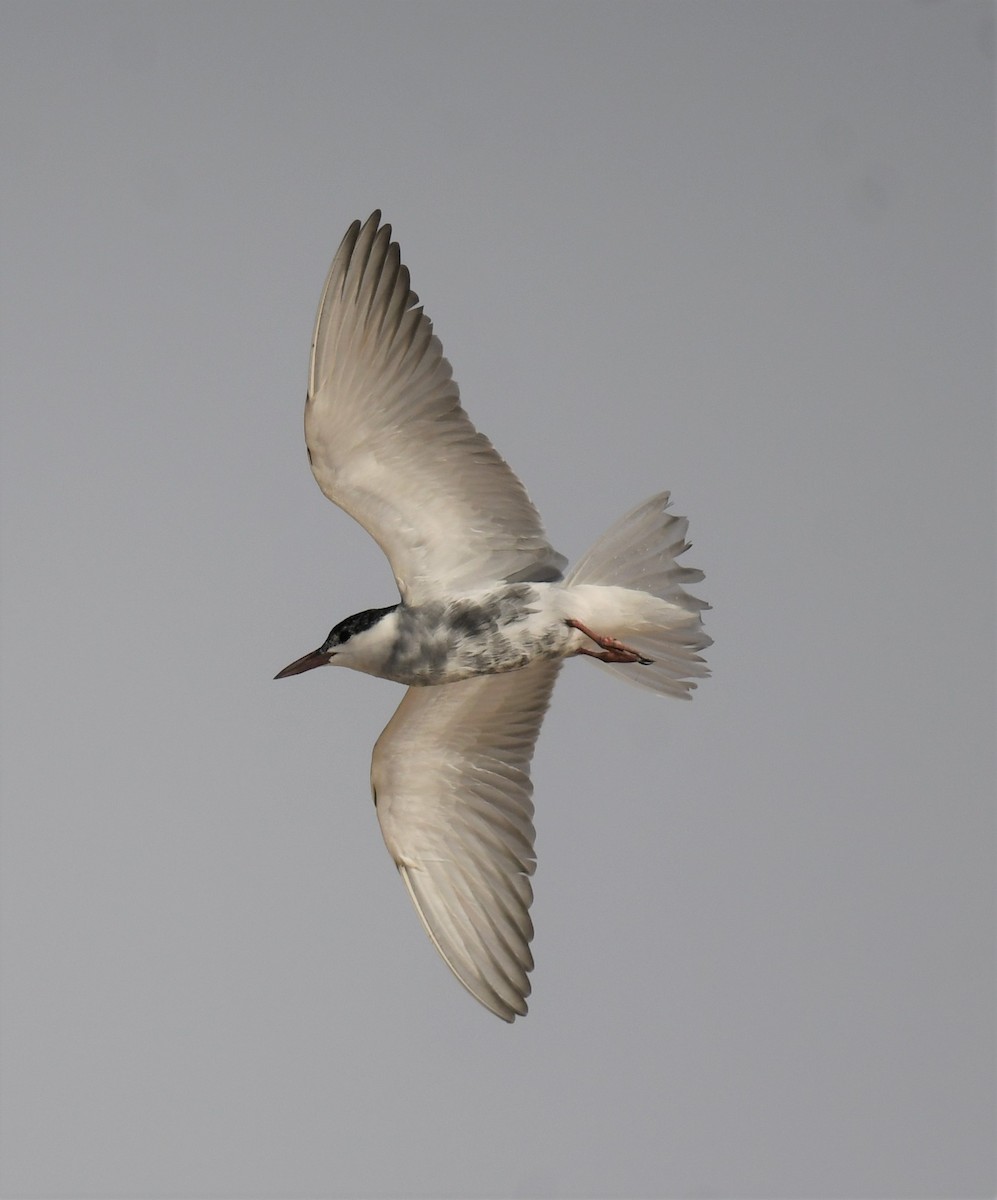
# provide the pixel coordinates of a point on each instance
(485, 994)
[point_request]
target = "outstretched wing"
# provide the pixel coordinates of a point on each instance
(451, 782)
(389, 442)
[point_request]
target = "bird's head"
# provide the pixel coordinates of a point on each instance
(362, 642)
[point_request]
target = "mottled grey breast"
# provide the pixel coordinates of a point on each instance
(451, 640)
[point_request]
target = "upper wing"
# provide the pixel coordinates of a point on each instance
(389, 442)
(450, 776)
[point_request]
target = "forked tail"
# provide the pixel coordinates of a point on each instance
(652, 613)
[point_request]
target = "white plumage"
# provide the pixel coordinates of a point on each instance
(486, 616)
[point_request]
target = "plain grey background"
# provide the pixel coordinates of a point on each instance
(741, 250)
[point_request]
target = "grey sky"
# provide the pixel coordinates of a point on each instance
(744, 251)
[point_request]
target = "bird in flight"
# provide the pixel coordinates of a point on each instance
(486, 613)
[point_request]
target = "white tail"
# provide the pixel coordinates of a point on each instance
(658, 617)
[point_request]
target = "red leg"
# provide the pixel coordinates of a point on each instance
(614, 656)
(614, 651)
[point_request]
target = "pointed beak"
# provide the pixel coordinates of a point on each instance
(315, 659)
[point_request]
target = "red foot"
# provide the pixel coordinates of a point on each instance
(613, 651)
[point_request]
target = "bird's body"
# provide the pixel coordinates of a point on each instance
(476, 633)
(485, 632)
(486, 613)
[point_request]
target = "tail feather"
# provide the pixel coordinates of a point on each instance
(659, 618)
